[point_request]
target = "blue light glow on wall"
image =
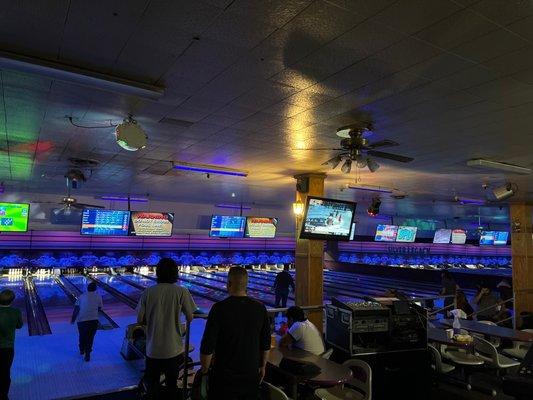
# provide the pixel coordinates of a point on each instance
(381, 259)
(120, 259)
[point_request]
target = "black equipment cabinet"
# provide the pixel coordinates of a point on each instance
(391, 337)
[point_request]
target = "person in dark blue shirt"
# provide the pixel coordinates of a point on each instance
(282, 286)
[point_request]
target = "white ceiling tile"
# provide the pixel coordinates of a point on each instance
(459, 27)
(489, 46)
(411, 16)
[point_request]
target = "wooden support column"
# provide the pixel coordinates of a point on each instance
(522, 258)
(309, 253)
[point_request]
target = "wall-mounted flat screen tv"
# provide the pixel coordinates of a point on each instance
(406, 234)
(100, 222)
(486, 238)
(386, 233)
(327, 219)
(497, 238)
(226, 226)
(500, 238)
(458, 236)
(14, 217)
(143, 223)
(442, 236)
(261, 227)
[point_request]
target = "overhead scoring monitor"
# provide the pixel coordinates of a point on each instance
(406, 234)
(105, 222)
(261, 227)
(458, 236)
(151, 223)
(386, 233)
(498, 238)
(14, 217)
(226, 226)
(327, 219)
(442, 236)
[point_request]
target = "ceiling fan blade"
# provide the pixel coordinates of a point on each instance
(389, 156)
(317, 148)
(382, 143)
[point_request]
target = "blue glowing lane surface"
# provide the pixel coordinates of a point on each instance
(203, 303)
(112, 306)
(57, 306)
(121, 286)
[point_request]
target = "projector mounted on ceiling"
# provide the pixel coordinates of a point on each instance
(130, 136)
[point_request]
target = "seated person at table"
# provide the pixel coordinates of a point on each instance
(486, 302)
(503, 316)
(236, 343)
(302, 333)
(506, 292)
(461, 303)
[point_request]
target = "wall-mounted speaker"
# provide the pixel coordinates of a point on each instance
(302, 184)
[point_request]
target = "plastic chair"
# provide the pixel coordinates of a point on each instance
(488, 352)
(494, 340)
(519, 349)
(275, 393)
(464, 360)
(358, 388)
(437, 364)
(327, 354)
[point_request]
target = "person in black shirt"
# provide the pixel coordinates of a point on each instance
(449, 286)
(236, 342)
(282, 284)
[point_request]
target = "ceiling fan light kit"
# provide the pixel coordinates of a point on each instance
(354, 146)
(347, 166)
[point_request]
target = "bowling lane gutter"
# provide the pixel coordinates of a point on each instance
(38, 324)
(73, 296)
(193, 290)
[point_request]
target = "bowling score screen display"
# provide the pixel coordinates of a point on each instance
(151, 223)
(14, 217)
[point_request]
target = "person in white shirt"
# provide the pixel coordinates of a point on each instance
(159, 309)
(85, 313)
(302, 334)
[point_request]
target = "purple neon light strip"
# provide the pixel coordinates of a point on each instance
(131, 199)
(210, 171)
(233, 206)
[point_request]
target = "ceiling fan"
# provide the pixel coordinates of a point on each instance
(73, 178)
(354, 147)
